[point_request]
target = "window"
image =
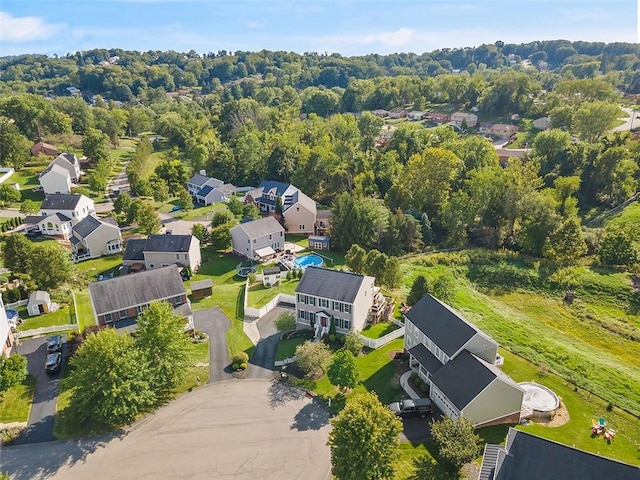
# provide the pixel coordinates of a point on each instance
(254, 240)
(347, 308)
(342, 323)
(177, 256)
(249, 240)
(140, 309)
(108, 317)
(312, 300)
(151, 265)
(301, 227)
(323, 303)
(177, 300)
(186, 256)
(122, 314)
(269, 236)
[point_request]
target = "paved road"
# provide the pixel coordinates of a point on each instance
(43, 410)
(633, 120)
(234, 430)
(215, 323)
(264, 355)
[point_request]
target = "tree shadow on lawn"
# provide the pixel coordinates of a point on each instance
(385, 383)
(310, 417)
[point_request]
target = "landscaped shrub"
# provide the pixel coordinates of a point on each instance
(240, 357)
(424, 387)
(252, 277)
(235, 366)
(414, 376)
(342, 339)
(417, 381)
(243, 366)
(286, 321)
(332, 338)
(289, 275)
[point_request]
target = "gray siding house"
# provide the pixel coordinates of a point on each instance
(258, 239)
(324, 296)
(158, 251)
(459, 362)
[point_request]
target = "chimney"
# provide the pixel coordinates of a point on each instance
(203, 172)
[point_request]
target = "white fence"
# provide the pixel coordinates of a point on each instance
(45, 330)
(286, 361)
(251, 313)
(19, 303)
(379, 342)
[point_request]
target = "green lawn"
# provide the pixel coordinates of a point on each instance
(629, 215)
(61, 317)
(259, 295)
(90, 269)
(379, 330)
(410, 453)
(287, 348)
(85, 310)
(15, 403)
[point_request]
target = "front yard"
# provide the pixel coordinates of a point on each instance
(15, 403)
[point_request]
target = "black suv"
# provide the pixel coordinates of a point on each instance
(53, 363)
(405, 408)
(54, 344)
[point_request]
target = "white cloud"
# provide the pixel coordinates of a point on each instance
(25, 29)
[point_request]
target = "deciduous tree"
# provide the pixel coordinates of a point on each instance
(312, 356)
(122, 203)
(356, 258)
(364, 440)
(147, 219)
(16, 253)
(456, 440)
(342, 371)
(419, 288)
(29, 207)
(566, 243)
(50, 266)
(13, 370)
(618, 247)
(8, 194)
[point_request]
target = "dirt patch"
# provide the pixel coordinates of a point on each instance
(560, 418)
(395, 353)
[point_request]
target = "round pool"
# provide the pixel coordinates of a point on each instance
(308, 261)
(539, 401)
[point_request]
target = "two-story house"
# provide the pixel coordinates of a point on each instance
(70, 163)
(208, 190)
(157, 251)
(298, 210)
(118, 301)
(461, 118)
(94, 237)
(258, 239)
(59, 213)
(459, 361)
(324, 296)
(6, 335)
(55, 179)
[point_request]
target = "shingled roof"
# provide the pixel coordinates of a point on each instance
(60, 201)
(120, 293)
(260, 227)
(331, 284)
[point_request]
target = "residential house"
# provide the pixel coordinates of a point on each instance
(74, 207)
(118, 301)
(504, 154)
(526, 456)
(323, 222)
(438, 118)
(56, 225)
(55, 179)
(459, 361)
(460, 118)
(208, 190)
(94, 237)
(345, 298)
(45, 148)
(498, 129)
(415, 115)
(69, 162)
(6, 335)
(298, 210)
(380, 113)
(258, 239)
(543, 123)
(201, 289)
(398, 114)
(271, 276)
(39, 303)
(157, 251)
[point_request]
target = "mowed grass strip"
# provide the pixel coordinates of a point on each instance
(15, 402)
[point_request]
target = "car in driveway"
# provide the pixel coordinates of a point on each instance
(411, 407)
(53, 363)
(54, 344)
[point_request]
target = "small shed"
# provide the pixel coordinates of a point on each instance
(39, 303)
(201, 289)
(319, 242)
(271, 276)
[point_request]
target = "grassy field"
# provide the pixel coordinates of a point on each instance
(15, 403)
(259, 295)
(85, 311)
(379, 330)
(630, 215)
(89, 270)
(61, 317)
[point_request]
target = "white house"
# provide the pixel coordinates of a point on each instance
(258, 239)
(157, 251)
(208, 190)
(74, 207)
(6, 335)
(459, 118)
(57, 225)
(271, 276)
(458, 361)
(347, 299)
(70, 163)
(415, 115)
(94, 237)
(55, 179)
(298, 210)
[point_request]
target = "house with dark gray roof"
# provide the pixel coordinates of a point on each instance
(70, 163)
(74, 207)
(526, 456)
(324, 296)
(118, 301)
(460, 364)
(208, 190)
(94, 237)
(158, 251)
(258, 239)
(298, 210)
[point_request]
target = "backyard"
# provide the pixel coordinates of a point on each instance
(60, 317)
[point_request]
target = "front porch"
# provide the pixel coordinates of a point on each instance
(423, 362)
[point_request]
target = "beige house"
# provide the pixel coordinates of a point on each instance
(498, 129)
(258, 239)
(159, 251)
(459, 118)
(94, 237)
(298, 210)
(460, 364)
(324, 296)
(55, 179)
(56, 225)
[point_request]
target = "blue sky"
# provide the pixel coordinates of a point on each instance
(349, 27)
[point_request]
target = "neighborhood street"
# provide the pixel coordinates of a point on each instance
(232, 430)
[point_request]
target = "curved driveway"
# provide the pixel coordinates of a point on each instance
(215, 323)
(232, 430)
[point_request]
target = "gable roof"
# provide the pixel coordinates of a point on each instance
(260, 227)
(134, 249)
(88, 225)
(201, 284)
(333, 284)
(69, 157)
(427, 359)
(465, 377)
(205, 191)
(55, 168)
(61, 201)
(302, 199)
(120, 293)
(198, 179)
(39, 296)
(534, 458)
(61, 217)
(445, 327)
(168, 243)
(280, 187)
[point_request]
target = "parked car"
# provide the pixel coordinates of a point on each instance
(176, 208)
(53, 362)
(34, 233)
(54, 344)
(418, 406)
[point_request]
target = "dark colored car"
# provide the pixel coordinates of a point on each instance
(34, 234)
(418, 406)
(54, 344)
(53, 362)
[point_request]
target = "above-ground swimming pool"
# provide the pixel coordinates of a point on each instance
(308, 261)
(538, 400)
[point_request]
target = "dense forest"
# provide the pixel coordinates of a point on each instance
(248, 116)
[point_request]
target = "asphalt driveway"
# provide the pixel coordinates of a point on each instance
(264, 355)
(43, 410)
(215, 323)
(233, 430)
